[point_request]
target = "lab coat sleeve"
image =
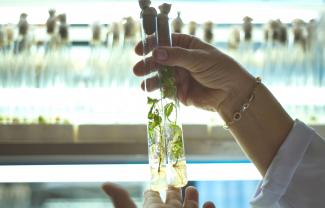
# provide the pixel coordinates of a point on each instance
(296, 176)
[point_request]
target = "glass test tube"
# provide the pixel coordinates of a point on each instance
(155, 125)
(173, 133)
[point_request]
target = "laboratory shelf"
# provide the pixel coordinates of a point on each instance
(202, 143)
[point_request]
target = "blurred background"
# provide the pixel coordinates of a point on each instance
(72, 114)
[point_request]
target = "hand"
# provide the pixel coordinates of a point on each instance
(174, 199)
(205, 77)
(209, 79)
(121, 198)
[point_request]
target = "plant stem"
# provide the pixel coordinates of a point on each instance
(159, 165)
(160, 148)
(175, 164)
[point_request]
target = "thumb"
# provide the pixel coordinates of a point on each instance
(189, 59)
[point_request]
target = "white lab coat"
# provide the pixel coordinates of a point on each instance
(296, 176)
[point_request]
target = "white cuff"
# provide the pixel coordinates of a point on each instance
(279, 175)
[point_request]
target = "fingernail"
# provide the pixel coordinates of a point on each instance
(161, 54)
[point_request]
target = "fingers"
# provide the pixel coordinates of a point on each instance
(151, 199)
(191, 194)
(174, 197)
(151, 84)
(189, 59)
(145, 46)
(178, 40)
(145, 67)
(191, 199)
(119, 196)
(209, 205)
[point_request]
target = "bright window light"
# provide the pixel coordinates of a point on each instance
(121, 173)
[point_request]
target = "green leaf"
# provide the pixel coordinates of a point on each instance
(167, 73)
(169, 109)
(153, 125)
(177, 150)
(168, 83)
(150, 114)
(151, 101)
(157, 119)
(176, 129)
(151, 132)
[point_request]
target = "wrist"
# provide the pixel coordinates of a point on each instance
(237, 94)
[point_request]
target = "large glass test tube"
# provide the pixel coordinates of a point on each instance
(155, 125)
(173, 133)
